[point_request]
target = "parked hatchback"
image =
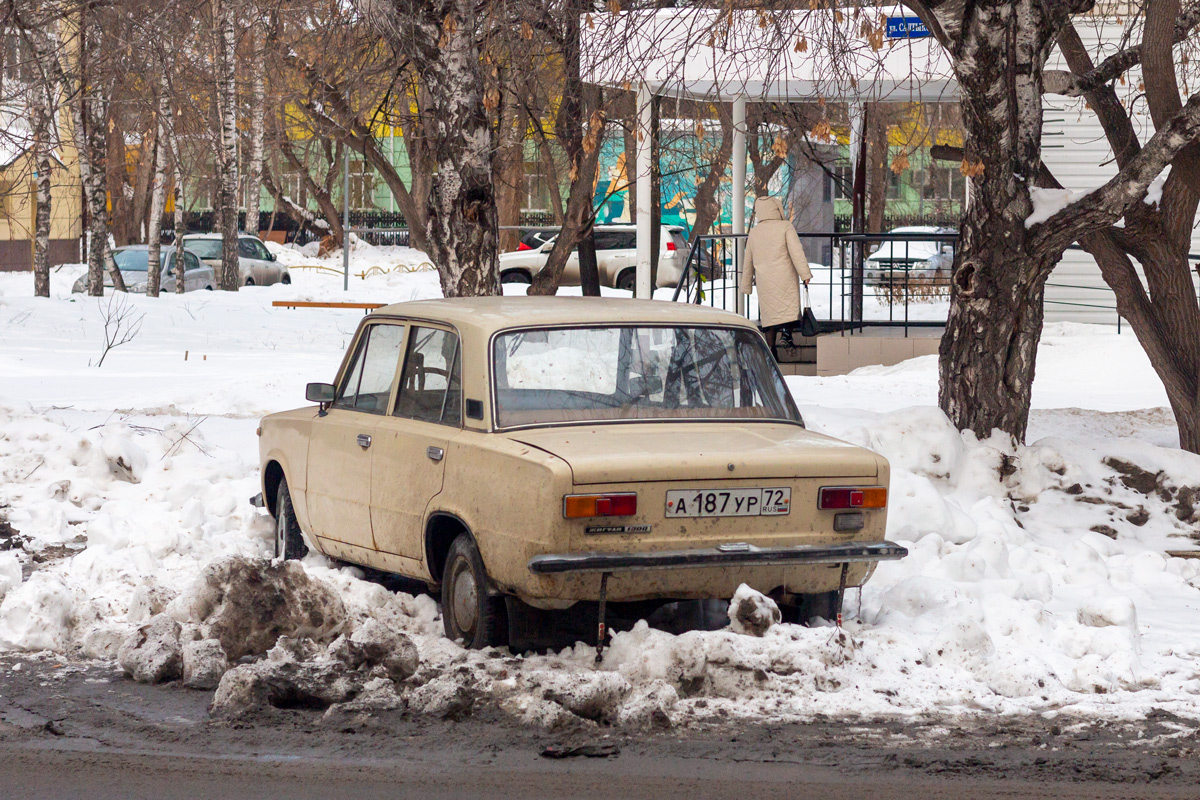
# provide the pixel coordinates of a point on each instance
(257, 264)
(134, 263)
(520, 453)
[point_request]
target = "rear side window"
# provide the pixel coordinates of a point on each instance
(368, 384)
(430, 386)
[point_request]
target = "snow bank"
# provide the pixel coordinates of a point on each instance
(1038, 579)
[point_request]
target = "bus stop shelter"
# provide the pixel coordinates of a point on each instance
(851, 56)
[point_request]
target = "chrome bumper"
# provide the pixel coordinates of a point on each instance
(721, 556)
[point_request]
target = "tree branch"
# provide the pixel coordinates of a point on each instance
(1108, 203)
(1072, 84)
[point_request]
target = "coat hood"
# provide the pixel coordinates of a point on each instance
(766, 208)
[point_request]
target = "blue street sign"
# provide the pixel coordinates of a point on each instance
(906, 28)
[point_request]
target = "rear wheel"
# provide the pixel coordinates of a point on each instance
(286, 279)
(823, 605)
(469, 614)
(249, 282)
(627, 280)
(289, 542)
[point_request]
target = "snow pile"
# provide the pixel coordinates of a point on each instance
(1038, 579)
(751, 612)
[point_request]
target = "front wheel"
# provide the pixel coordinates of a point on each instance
(469, 614)
(289, 542)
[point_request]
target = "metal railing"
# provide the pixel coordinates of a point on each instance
(858, 289)
(872, 280)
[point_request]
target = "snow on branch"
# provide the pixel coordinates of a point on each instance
(1107, 204)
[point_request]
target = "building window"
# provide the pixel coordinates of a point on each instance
(945, 182)
(839, 184)
(537, 188)
(362, 186)
(18, 60)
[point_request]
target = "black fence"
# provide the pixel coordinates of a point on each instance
(871, 280)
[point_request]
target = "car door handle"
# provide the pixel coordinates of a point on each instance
(364, 440)
(435, 453)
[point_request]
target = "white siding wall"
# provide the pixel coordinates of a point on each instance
(1078, 154)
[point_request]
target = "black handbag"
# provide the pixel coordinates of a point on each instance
(808, 320)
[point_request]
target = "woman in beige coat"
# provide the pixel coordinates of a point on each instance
(775, 259)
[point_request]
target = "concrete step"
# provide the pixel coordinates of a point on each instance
(798, 369)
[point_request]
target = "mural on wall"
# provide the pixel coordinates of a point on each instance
(680, 179)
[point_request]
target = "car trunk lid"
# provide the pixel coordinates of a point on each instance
(666, 451)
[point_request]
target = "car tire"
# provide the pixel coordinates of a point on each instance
(469, 614)
(627, 281)
(289, 541)
(249, 282)
(208, 288)
(516, 276)
(823, 605)
(286, 280)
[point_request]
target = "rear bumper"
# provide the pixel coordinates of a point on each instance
(742, 556)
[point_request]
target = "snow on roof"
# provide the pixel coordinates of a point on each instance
(795, 55)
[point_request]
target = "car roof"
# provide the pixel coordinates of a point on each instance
(484, 315)
(187, 236)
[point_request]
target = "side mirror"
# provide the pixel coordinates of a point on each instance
(320, 393)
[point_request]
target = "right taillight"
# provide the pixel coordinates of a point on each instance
(839, 497)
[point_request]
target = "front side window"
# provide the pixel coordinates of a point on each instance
(368, 383)
(430, 386)
(636, 373)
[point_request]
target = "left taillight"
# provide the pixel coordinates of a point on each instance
(839, 497)
(670, 246)
(623, 504)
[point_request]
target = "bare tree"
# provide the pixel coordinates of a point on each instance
(443, 41)
(225, 57)
(158, 194)
(999, 53)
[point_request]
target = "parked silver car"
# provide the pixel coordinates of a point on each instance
(133, 262)
(258, 266)
(901, 260)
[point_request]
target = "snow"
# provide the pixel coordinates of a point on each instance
(1155, 189)
(1048, 202)
(1037, 580)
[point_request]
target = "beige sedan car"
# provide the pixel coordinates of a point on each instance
(543, 452)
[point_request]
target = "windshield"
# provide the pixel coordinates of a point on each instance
(204, 248)
(622, 373)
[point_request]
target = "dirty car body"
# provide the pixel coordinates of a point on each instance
(575, 449)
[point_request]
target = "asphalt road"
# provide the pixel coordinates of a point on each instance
(83, 731)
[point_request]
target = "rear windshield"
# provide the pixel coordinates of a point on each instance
(133, 260)
(645, 373)
(204, 248)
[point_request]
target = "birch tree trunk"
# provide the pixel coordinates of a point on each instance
(254, 162)
(158, 195)
(442, 41)
(988, 352)
(40, 115)
(225, 43)
(180, 262)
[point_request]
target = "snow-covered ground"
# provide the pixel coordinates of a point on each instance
(1037, 580)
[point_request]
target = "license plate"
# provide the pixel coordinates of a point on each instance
(728, 502)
